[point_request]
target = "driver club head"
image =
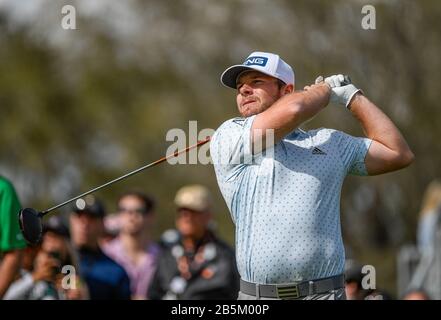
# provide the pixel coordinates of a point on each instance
(31, 225)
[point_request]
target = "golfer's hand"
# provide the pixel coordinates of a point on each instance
(318, 85)
(342, 93)
(321, 90)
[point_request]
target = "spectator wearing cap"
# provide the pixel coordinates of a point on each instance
(194, 263)
(41, 276)
(133, 248)
(105, 278)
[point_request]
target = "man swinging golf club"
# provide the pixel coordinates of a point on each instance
(286, 206)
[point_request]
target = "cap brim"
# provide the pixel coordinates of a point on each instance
(229, 76)
(61, 232)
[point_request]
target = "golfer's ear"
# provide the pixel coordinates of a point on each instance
(288, 89)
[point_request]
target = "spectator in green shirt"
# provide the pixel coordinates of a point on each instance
(12, 242)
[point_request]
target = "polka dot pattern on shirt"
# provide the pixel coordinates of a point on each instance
(286, 204)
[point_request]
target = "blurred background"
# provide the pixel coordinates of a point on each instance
(80, 107)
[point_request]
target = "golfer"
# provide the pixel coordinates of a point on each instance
(282, 184)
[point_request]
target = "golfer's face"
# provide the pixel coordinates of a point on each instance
(256, 92)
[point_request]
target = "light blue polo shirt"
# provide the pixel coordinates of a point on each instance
(285, 202)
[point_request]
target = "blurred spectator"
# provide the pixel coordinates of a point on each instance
(56, 242)
(12, 242)
(29, 255)
(41, 275)
(39, 284)
(354, 284)
(27, 267)
(420, 266)
(133, 248)
(105, 278)
(194, 263)
(416, 294)
(353, 278)
(429, 216)
(112, 227)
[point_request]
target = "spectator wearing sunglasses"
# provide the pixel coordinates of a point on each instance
(133, 248)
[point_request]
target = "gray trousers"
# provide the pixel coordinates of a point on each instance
(338, 294)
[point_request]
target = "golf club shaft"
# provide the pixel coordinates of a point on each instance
(126, 175)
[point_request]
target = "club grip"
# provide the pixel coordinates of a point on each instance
(346, 81)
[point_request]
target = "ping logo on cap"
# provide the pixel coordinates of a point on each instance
(253, 61)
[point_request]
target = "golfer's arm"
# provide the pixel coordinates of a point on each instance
(9, 267)
(388, 151)
(288, 113)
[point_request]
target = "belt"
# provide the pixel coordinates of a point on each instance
(292, 290)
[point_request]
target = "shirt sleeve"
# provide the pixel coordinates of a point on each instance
(230, 146)
(11, 237)
(353, 151)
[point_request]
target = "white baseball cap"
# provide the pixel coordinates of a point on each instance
(268, 63)
(195, 197)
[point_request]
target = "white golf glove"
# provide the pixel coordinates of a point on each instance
(342, 92)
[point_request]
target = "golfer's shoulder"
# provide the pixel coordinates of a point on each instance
(233, 124)
(225, 132)
(326, 135)
(233, 127)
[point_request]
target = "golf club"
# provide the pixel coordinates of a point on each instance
(30, 220)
